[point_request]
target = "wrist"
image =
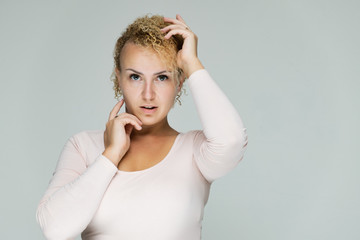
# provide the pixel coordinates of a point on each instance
(114, 156)
(192, 67)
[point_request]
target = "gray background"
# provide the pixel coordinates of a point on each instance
(291, 68)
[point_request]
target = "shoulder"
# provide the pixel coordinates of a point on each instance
(88, 138)
(89, 144)
(191, 133)
(193, 136)
(88, 134)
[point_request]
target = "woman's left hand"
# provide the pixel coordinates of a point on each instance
(187, 58)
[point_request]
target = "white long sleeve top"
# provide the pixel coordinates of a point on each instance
(89, 195)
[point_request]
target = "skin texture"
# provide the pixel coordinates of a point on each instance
(145, 81)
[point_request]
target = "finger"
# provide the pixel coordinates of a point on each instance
(178, 17)
(126, 121)
(128, 129)
(125, 115)
(171, 27)
(175, 21)
(116, 109)
(182, 32)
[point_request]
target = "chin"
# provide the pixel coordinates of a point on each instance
(152, 120)
(149, 122)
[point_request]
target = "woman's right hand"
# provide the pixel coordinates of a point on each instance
(117, 133)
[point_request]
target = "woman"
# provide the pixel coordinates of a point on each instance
(141, 179)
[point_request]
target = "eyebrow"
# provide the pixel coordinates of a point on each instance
(140, 73)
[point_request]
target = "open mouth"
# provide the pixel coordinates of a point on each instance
(148, 107)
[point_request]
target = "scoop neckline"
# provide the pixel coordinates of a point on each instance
(157, 164)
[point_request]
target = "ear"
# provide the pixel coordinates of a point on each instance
(117, 72)
(181, 82)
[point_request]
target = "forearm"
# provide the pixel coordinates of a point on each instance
(66, 212)
(192, 67)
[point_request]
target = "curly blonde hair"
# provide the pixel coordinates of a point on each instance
(145, 31)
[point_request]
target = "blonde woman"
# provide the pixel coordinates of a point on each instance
(140, 178)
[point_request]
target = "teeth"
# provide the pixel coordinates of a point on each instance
(148, 107)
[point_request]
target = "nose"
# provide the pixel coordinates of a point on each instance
(148, 92)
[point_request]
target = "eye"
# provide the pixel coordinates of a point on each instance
(162, 77)
(135, 77)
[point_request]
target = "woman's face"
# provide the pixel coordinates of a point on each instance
(148, 87)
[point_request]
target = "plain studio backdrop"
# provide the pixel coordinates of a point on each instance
(291, 68)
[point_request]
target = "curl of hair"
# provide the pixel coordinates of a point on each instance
(145, 31)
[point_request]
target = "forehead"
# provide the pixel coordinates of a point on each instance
(131, 49)
(134, 55)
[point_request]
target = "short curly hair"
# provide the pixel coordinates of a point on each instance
(145, 31)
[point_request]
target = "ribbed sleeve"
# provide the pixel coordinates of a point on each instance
(74, 193)
(222, 143)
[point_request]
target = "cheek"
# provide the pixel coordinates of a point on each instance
(170, 95)
(127, 89)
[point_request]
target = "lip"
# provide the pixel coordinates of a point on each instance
(148, 110)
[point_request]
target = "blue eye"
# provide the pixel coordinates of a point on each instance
(162, 77)
(134, 77)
